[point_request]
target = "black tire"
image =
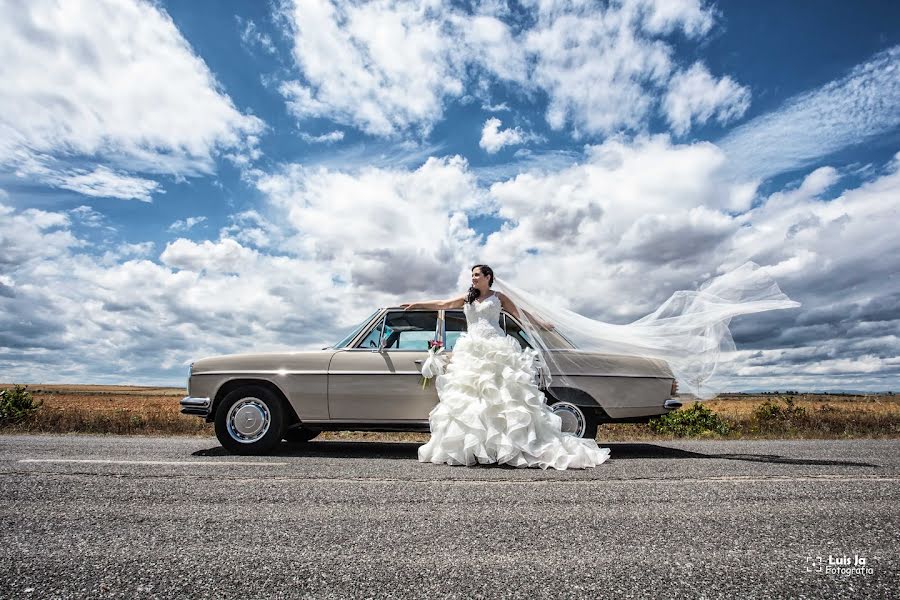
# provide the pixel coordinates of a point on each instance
(578, 420)
(300, 435)
(257, 420)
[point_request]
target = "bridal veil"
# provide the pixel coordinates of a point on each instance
(686, 336)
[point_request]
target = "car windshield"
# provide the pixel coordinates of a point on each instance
(355, 331)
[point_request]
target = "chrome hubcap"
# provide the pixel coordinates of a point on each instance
(571, 416)
(248, 420)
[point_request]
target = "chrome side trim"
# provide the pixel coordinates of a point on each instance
(266, 372)
(375, 373)
(383, 350)
(672, 403)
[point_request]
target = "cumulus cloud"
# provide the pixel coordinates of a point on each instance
(126, 318)
(493, 138)
(602, 66)
(113, 82)
(694, 96)
(390, 67)
(389, 231)
(610, 237)
(250, 228)
(383, 67)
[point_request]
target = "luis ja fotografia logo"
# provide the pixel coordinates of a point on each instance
(839, 565)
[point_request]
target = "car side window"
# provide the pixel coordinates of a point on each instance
(454, 326)
(512, 328)
(409, 330)
(374, 336)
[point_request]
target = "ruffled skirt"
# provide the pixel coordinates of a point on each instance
(491, 411)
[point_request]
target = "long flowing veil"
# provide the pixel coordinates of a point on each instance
(685, 337)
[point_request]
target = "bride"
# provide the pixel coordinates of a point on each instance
(490, 409)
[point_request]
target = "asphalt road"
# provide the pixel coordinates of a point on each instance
(118, 516)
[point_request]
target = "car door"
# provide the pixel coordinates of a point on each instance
(380, 380)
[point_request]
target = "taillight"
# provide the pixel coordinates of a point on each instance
(674, 387)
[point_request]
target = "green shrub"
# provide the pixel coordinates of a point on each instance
(16, 405)
(770, 412)
(698, 420)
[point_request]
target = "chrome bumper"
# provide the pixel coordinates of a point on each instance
(672, 403)
(195, 406)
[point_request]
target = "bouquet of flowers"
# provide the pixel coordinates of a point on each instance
(435, 363)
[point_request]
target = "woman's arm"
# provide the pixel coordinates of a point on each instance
(436, 304)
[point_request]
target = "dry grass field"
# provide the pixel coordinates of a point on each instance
(155, 411)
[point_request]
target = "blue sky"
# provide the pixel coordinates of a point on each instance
(195, 178)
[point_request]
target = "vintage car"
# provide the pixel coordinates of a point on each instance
(371, 380)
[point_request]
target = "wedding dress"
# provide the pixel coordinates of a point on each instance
(492, 411)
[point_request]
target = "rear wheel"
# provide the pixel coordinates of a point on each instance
(250, 420)
(576, 420)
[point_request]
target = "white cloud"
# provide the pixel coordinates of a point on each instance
(389, 67)
(633, 215)
(389, 231)
(33, 236)
(501, 107)
(126, 319)
(493, 138)
(325, 138)
(252, 37)
(812, 125)
(694, 96)
(112, 82)
(526, 160)
(224, 256)
(614, 236)
(818, 181)
(603, 67)
(251, 229)
(106, 183)
(89, 217)
(125, 251)
(185, 224)
(383, 67)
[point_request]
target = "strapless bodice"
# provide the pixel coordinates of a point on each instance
(483, 318)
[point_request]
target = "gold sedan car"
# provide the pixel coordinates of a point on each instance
(371, 380)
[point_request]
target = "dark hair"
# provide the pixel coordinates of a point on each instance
(475, 292)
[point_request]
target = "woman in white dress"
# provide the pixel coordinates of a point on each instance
(491, 410)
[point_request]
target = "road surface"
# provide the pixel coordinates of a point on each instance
(153, 517)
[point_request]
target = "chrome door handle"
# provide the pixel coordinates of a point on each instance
(419, 362)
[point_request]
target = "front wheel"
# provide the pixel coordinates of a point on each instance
(576, 420)
(250, 420)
